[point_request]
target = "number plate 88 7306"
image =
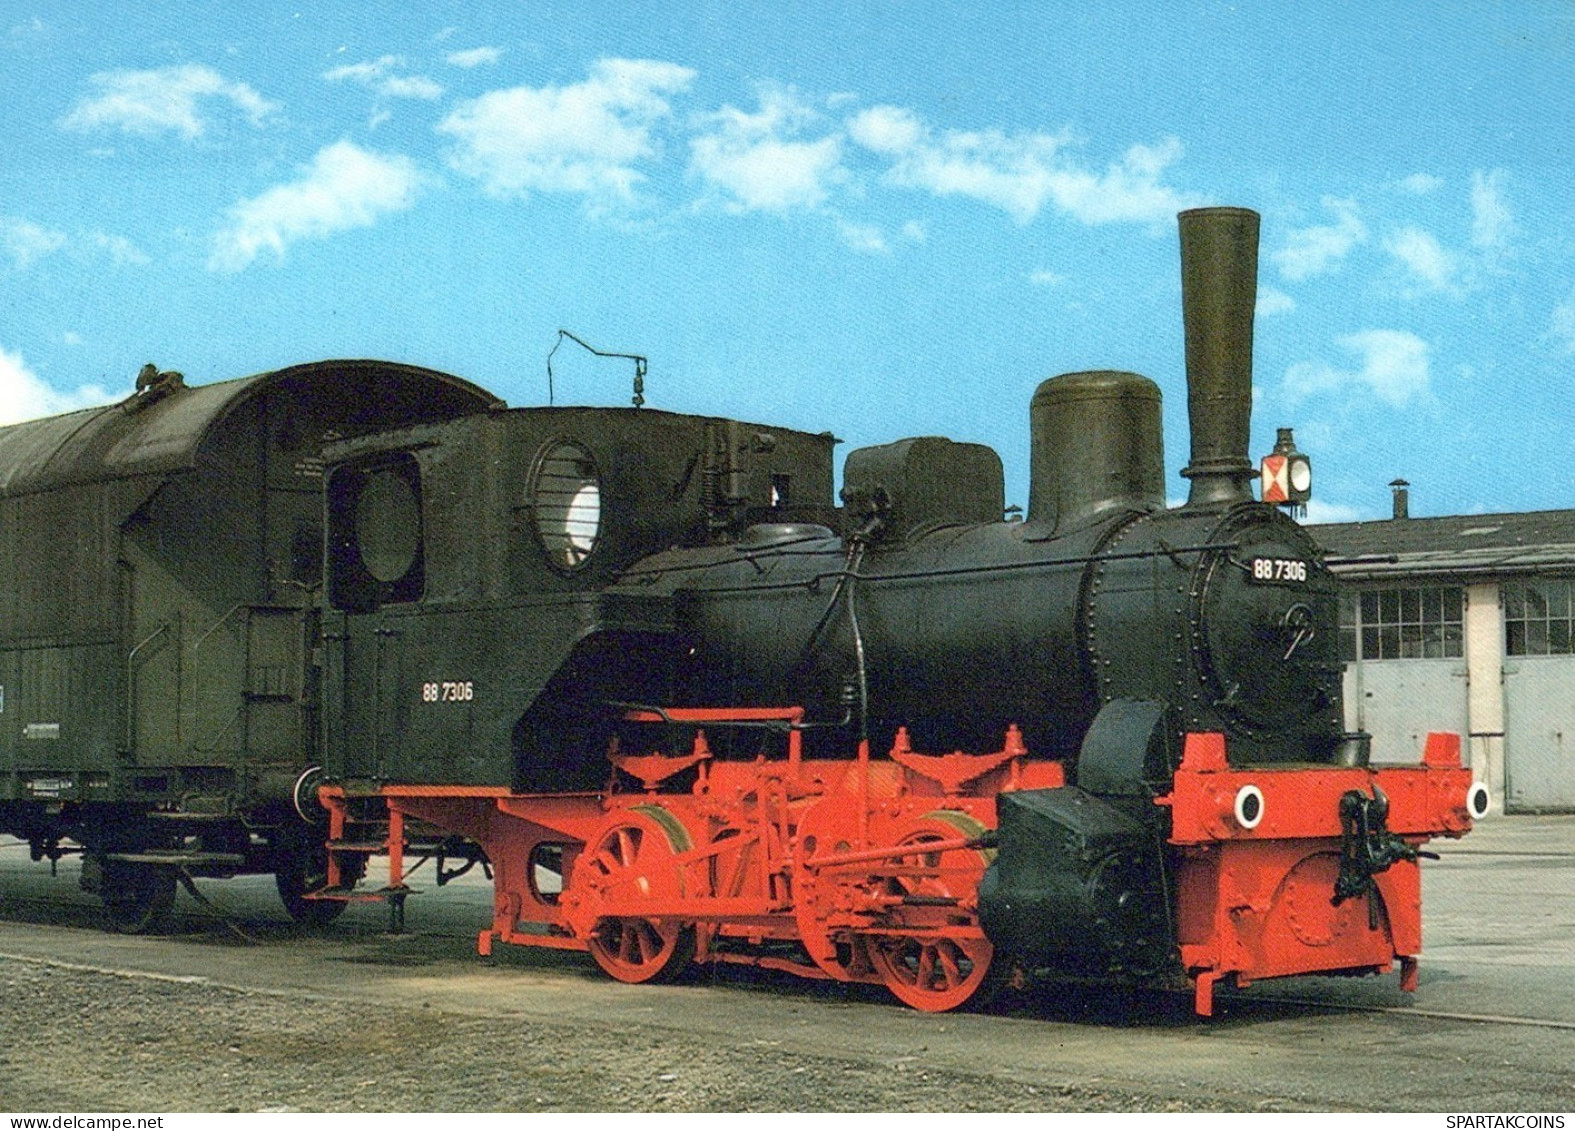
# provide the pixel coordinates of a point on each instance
(1277, 571)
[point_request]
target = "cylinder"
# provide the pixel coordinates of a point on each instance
(1097, 446)
(1219, 284)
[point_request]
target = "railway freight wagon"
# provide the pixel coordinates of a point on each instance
(160, 565)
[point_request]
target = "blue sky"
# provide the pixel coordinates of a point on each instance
(881, 219)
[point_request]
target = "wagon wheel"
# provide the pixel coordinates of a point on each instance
(632, 861)
(942, 959)
(300, 868)
(138, 898)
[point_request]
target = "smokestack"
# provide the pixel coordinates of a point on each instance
(1402, 498)
(1219, 290)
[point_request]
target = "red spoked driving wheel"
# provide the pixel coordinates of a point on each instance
(940, 957)
(630, 862)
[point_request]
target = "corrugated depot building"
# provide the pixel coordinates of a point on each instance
(1464, 623)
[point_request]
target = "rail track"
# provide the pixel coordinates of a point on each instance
(1050, 999)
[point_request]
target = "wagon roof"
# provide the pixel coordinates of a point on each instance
(162, 434)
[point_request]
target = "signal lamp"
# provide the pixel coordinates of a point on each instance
(1286, 474)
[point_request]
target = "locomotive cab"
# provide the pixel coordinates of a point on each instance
(473, 639)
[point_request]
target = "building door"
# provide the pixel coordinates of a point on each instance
(1405, 673)
(1539, 696)
(1400, 702)
(1539, 734)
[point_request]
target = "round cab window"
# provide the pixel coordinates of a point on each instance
(388, 525)
(567, 502)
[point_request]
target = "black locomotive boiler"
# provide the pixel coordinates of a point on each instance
(907, 742)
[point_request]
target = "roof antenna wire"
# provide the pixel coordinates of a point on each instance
(639, 365)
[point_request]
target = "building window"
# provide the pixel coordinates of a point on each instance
(1410, 623)
(1537, 618)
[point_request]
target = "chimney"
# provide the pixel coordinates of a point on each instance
(1402, 498)
(1219, 291)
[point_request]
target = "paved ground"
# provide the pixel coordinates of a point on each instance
(356, 1020)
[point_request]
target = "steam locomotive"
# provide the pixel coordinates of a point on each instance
(685, 710)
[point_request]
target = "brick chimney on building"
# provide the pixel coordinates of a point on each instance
(1402, 498)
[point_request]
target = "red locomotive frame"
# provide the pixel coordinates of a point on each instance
(872, 865)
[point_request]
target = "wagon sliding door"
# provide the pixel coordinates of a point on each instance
(154, 674)
(280, 693)
(204, 687)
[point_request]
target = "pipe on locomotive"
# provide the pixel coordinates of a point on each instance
(1219, 291)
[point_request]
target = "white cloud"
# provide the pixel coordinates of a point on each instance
(1393, 364)
(584, 138)
(379, 76)
(756, 161)
(344, 187)
(410, 86)
(1420, 184)
(1320, 511)
(25, 242)
(863, 237)
(1046, 278)
(163, 100)
(1436, 268)
(1492, 226)
(1272, 301)
(1562, 325)
(1128, 190)
(1318, 249)
(474, 57)
(1010, 173)
(122, 251)
(886, 129)
(25, 396)
(364, 73)
(1020, 173)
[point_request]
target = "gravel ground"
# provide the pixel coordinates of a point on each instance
(86, 1040)
(354, 1019)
